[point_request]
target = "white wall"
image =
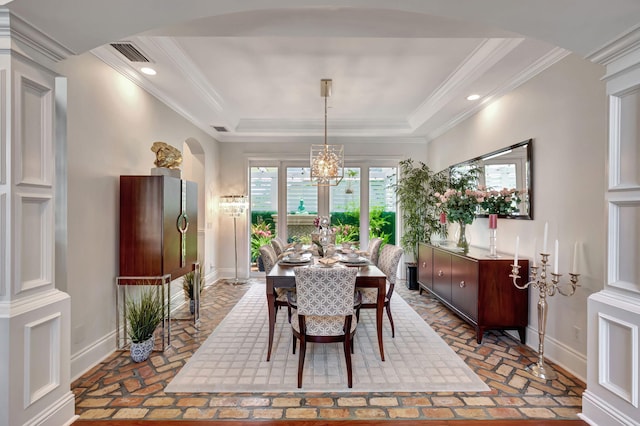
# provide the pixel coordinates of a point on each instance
(112, 124)
(234, 160)
(564, 110)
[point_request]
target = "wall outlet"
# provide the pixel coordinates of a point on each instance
(577, 333)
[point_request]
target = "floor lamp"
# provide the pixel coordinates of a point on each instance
(234, 206)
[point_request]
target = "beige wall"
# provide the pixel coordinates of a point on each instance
(564, 110)
(111, 126)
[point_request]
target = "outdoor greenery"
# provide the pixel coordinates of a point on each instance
(144, 313)
(416, 190)
(261, 234)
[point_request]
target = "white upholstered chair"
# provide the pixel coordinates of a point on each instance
(388, 263)
(374, 250)
(278, 246)
(269, 259)
(324, 311)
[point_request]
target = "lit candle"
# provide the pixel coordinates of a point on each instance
(515, 258)
(555, 262)
(544, 241)
(574, 268)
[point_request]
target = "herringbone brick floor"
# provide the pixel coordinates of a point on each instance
(121, 389)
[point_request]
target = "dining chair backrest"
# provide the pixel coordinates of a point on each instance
(374, 250)
(278, 246)
(325, 291)
(388, 263)
(269, 257)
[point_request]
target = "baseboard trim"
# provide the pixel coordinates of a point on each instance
(84, 360)
(61, 412)
(568, 358)
(596, 411)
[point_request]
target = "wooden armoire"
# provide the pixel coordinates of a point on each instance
(158, 226)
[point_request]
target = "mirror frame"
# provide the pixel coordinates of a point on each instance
(529, 174)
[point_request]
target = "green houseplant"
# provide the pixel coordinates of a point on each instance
(144, 313)
(188, 286)
(416, 188)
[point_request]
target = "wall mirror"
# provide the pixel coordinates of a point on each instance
(509, 167)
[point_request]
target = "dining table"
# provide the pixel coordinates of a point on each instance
(282, 276)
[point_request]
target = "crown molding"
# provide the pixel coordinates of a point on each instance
(105, 55)
(337, 126)
(14, 27)
(235, 138)
(617, 48)
(554, 55)
(485, 55)
(188, 69)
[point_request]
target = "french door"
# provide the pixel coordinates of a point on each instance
(284, 203)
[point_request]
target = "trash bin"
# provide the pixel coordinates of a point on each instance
(412, 276)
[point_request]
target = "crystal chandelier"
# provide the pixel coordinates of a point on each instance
(327, 161)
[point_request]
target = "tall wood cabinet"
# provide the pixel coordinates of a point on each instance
(158, 226)
(475, 287)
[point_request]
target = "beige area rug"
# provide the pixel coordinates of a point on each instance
(233, 358)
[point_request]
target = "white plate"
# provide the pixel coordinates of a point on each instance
(287, 261)
(357, 261)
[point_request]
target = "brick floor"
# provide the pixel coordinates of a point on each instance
(120, 389)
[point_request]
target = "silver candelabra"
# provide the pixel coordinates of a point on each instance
(546, 288)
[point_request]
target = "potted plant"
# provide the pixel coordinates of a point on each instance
(188, 286)
(416, 188)
(144, 314)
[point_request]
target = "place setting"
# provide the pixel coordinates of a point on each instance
(295, 258)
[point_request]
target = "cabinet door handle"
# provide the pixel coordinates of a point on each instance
(462, 284)
(182, 223)
(424, 264)
(440, 273)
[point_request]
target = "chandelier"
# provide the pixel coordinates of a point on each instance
(327, 161)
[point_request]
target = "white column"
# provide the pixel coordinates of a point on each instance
(613, 351)
(34, 314)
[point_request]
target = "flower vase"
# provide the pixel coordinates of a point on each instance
(463, 241)
(493, 230)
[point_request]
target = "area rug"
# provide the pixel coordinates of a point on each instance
(233, 358)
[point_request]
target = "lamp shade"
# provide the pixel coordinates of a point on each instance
(233, 205)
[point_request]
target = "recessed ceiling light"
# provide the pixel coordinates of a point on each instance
(148, 71)
(473, 97)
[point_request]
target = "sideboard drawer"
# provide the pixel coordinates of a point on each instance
(425, 267)
(464, 285)
(442, 274)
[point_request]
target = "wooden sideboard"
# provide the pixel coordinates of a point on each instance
(476, 287)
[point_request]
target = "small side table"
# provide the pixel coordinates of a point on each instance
(122, 286)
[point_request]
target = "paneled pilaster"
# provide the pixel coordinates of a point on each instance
(613, 352)
(34, 314)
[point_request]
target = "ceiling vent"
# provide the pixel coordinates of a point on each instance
(220, 128)
(129, 51)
